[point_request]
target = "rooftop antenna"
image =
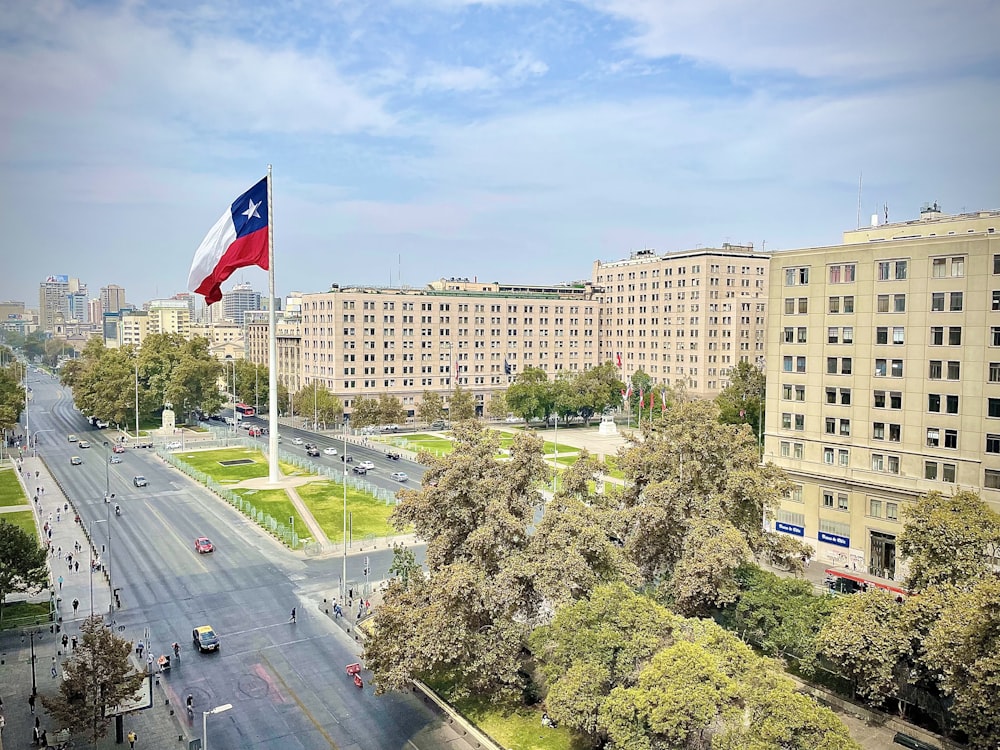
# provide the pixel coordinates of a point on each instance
(886, 207)
(861, 176)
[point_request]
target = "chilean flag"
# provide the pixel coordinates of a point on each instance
(238, 240)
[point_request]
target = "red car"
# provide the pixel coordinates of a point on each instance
(202, 545)
(119, 449)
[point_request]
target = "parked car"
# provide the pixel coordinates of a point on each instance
(399, 476)
(139, 481)
(313, 451)
(205, 638)
(254, 432)
(390, 428)
(173, 446)
(100, 424)
(437, 424)
(75, 461)
(359, 470)
(331, 451)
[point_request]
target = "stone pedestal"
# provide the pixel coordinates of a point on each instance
(608, 426)
(169, 420)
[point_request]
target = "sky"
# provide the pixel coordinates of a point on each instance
(505, 140)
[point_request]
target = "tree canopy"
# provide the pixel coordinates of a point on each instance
(23, 566)
(316, 400)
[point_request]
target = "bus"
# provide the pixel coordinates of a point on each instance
(245, 411)
(844, 582)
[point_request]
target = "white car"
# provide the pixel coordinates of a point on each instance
(297, 441)
(331, 451)
(173, 446)
(367, 465)
(115, 460)
(399, 476)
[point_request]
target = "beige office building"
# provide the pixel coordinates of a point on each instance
(289, 342)
(883, 379)
(684, 318)
(364, 341)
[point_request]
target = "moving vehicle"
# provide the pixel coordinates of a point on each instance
(297, 441)
(71, 437)
(313, 451)
(394, 455)
(83, 444)
(202, 545)
(347, 458)
(115, 459)
(244, 410)
(437, 424)
(173, 446)
(331, 451)
(139, 481)
(359, 470)
(399, 476)
(118, 448)
(75, 461)
(205, 638)
(368, 465)
(254, 432)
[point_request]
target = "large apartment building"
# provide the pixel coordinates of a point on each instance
(683, 318)
(883, 379)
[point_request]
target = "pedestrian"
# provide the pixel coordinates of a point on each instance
(60, 582)
(368, 605)
(36, 499)
(132, 737)
(31, 703)
(292, 618)
(73, 642)
(65, 640)
(53, 670)
(138, 649)
(190, 705)
(76, 605)
(149, 663)
(76, 566)
(36, 732)
(58, 515)
(43, 740)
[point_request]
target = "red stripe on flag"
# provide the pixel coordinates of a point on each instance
(250, 250)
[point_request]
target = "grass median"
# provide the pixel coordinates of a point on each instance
(10, 489)
(209, 462)
(276, 504)
(23, 519)
(326, 502)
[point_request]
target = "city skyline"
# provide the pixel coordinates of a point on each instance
(508, 140)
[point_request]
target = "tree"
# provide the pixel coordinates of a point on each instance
(461, 405)
(365, 412)
(390, 409)
(22, 562)
(963, 647)
(431, 407)
(531, 395)
(705, 575)
(742, 401)
(404, 565)
(11, 398)
(952, 539)
(598, 389)
(866, 638)
(316, 400)
(496, 408)
(98, 675)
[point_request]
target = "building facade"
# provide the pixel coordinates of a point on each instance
(241, 299)
(883, 380)
(684, 318)
(112, 298)
(53, 305)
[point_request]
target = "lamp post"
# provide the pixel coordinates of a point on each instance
(204, 722)
(343, 586)
(34, 444)
(31, 635)
(137, 396)
(761, 364)
(315, 410)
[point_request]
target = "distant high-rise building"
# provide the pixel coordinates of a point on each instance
(95, 310)
(77, 306)
(238, 301)
(112, 298)
(13, 316)
(53, 305)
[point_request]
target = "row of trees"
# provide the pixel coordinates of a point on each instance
(37, 347)
(504, 583)
(11, 389)
(572, 394)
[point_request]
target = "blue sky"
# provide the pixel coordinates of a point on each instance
(509, 140)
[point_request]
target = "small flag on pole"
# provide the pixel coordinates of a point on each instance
(506, 367)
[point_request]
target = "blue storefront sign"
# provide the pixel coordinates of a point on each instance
(840, 541)
(789, 528)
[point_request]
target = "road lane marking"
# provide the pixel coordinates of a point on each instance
(181, 542)
(299, 703)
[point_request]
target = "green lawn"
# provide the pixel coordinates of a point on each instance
(21, 614)
(514, 727)
(23, 518)
(613, 470)
(422, 441)
(550, 449)
(275, 503)
(10, 489)
(566, 460)
(326, 501)
(208, 462)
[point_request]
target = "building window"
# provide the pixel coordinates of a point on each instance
(937, 335)
(954, 336)
(879, 397)
(899, 303)
(937, 302)
(800, 364)
(939, 268)
(948, 473)
(930, 470)
(785, 449)
(882, 303)
(786, 421)
(958, 266)
(900, 270)
(995, 372)
(897, 335)
(833, 335)
(844, 457)
(874, 508)
(845, 427)
(842, 503)
(882, 335)
(828, 456)
(951, 439)
(847, 334)
(878, 431)
(800, 422)
(956, 301)
(994, 335)
(878, 462)
(991, 480)
(896, 368)
(954, 370)
(797, 450)
(933, 437)
(992, 443)
(827, 499)
(881, 367)
(892, 511)
(933, 372)
(993, 407)
(795, 493)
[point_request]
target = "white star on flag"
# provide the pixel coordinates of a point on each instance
(251, 213)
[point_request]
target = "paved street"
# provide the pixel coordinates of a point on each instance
(286, 681)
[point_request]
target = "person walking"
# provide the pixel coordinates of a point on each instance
(60, 582)
(76, 606)
(53, 670)
(132, 737)
(190, 706)
(31, 703)
(292, 618)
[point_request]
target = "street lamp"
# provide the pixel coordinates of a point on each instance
(31, 634)
(204, 722)
(34, 444)
(761, 365)
(343, 577)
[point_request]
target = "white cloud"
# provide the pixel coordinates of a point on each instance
(460, 79)
(848, 39)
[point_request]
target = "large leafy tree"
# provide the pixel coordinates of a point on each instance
(704, 577)
(22, 562)
(11, 397)
(742, 401)
(365, 412)
(98, 675)
(390, 409)
(496, 407)
(431, 407)
(531, 395)
(316, 400)
(461, 405)
(690, 467)
(949, 539)
(470, 618)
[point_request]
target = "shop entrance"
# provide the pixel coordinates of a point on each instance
(883, 555)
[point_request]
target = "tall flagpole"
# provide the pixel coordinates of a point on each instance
(272, 346)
